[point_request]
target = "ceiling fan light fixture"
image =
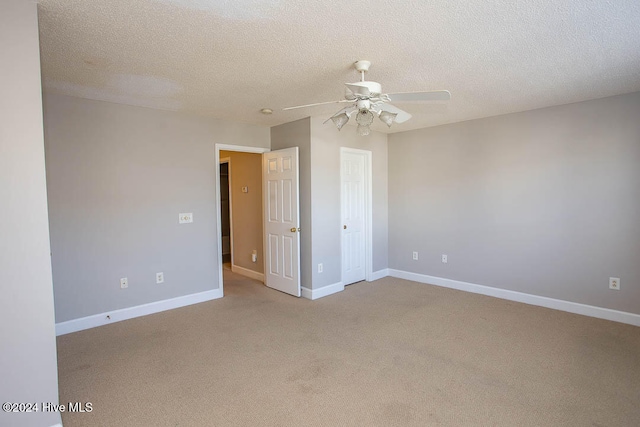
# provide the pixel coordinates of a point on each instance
(364, 117)
(340, 120)
(363, 130)
(387, 117)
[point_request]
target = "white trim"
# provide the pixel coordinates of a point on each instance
(57, 424)
(556, 304)
(247, 273)
(377, 275)
(218, 148)
(95, 320)
(322, 292)
(368, 206)
(241, 148)
(306, 293)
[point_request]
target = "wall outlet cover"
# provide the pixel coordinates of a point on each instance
(185, 218)
(614, 283)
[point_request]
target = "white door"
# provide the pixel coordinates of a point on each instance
(352, 177)
(281, 220)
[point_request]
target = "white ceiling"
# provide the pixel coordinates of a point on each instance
(230, 58)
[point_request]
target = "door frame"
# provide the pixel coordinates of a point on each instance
(218, 148)
(368, 208)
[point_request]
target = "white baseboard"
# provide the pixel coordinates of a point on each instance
(306, 293)
(376, 275)
(248, 273)
(88, 322)
(322, 292)
(571, 307)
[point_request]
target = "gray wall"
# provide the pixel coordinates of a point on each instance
(298, 134)
(326, 141)
(28, 365)
(545, 202)
(118, 176)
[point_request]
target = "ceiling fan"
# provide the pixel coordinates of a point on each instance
(368, 100)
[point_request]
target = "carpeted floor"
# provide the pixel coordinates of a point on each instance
(386, 353)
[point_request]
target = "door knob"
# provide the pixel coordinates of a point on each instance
(293, 229)
(344, 226)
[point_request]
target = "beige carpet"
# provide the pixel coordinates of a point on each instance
(387, 353)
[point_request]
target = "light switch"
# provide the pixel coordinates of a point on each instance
(245, 189)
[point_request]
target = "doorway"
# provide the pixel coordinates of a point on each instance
(242, 255)
(274, 250)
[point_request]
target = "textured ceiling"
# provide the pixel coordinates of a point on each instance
(230, 58)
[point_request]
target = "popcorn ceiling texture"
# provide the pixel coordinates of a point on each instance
(231, 9)
(228, 59)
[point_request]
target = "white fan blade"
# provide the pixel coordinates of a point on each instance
(358, 88)
(319, 103)
(402, 116)
(348, 110)
(348, 94)
(434, 95)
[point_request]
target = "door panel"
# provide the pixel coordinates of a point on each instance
(281, 218)
(272, 255)
(272, 201)
(287, 199)
(288, 251)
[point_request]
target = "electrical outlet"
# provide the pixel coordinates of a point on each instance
(160, 277)
(614, 283)
(320, 268)
(185, 218)
(254, 256)
(415, 256)
(444, 259)
(124, 283)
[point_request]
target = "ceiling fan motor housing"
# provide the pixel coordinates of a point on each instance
(368, 88)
